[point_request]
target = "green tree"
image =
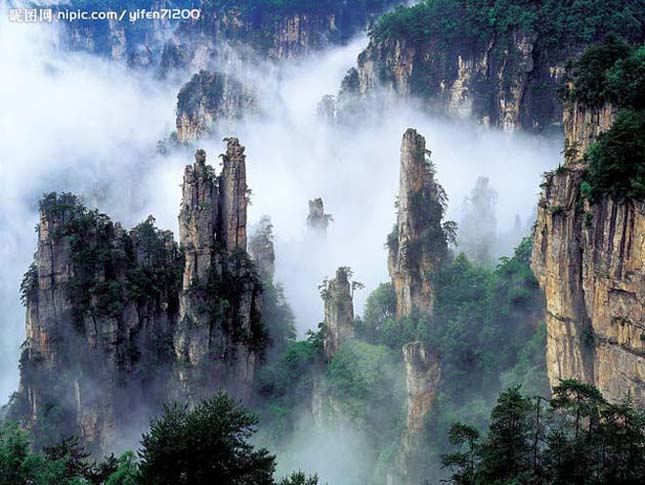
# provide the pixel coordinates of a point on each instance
(299, 478)
(505, 454)
(126, 472)
(208, 444)
(463, 462)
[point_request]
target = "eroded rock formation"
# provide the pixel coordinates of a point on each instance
(219, 321)
(318, 220)
(261, 249)
(422, 375)
(119, 321)
(211, 102)
(270, 31)
(590, 261)
(501, 84)
(418, 245)
(339, 311)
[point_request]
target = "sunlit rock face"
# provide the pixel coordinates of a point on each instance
(119, 321)
(508, 83)
(339, 312)
(211, 102)
(414, 256)
(590, 261)
(582, 126)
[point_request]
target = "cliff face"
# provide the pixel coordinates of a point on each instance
(210, 102)
(590, 261)
(119, 322)
(218, 334)
(582, 126)
(261, 249)
(270, 31)
(422, 375)
(508, 82)
(416, 247)
(339, 312)
(318, 220)
(97, 327)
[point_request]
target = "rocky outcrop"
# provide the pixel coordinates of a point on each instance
(338, 324)
(138, 44)
(119, 321)
(590, 261)
(261, 249)
(219, 332)
(416, 248)
(318, 220)
(101, 307)
(422, 375)
(509, 82)
(273, 32)
(209, 103)
(418, 244)
(263, 29)
(582, 126)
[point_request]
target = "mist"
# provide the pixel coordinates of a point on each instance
(73, 122)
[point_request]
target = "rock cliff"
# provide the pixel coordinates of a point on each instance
(211, 102)
(501, 64)
(417, 245)
(589, 258)
(422, 375)
(266, 29)
(338, 324)
(318, 220)
(499, 85)
(101, 307)
(261, 249)
(219, 335)
(119, 321)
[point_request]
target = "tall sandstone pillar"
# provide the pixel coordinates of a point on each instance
(339, 312)
(233, 196)
(417, 248)
(220, 298)
(414, 254)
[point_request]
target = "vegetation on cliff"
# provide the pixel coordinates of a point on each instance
(479, 21)
(613, 72)
(275, 7)
(476, 308)
(574, 437)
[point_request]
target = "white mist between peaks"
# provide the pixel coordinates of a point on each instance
(73, 122)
